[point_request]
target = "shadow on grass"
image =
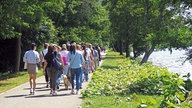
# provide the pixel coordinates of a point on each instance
(2, 84)
(109, 67)
(113, 57)
(7, 75)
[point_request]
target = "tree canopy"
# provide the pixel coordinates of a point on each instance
(128, 25)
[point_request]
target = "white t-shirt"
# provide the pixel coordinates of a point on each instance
(88, 52)
(31, 56)
(43, 53)
(64, 52)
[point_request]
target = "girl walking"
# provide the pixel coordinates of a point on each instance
(76, 62)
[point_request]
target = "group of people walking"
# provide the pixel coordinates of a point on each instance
(80, 59)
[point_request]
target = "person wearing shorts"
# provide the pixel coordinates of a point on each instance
(31, 57)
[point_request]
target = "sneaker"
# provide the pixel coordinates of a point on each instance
(77, 92)
(72, 92)
(47, 86)
(54, 94)
(58, 87)
(31, 91)
(67, 88)
(51, 92)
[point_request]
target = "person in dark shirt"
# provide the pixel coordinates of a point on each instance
(52, 71)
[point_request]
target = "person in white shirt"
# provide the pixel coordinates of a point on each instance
(31, 57)
(42, 55)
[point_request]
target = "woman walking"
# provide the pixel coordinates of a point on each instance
(31, 57)
(52, 71)
(76, 62)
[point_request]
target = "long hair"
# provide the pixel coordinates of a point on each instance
(73, 48)
(50, 48)
(85, 52)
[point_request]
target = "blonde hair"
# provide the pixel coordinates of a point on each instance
(64, 47)
(78, 47)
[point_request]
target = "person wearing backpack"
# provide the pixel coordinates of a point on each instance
(31, 57)
(42, 55)
(76, 62)
(50, 60)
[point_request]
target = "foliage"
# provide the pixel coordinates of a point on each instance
(50, 21)
(130, 77)
(146, 25)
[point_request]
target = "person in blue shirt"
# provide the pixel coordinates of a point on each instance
(76, 61)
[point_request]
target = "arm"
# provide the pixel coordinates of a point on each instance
(41, 60)
(60, 57)
(83, 61)
(25, 57)
(37, 59)
(45, 65)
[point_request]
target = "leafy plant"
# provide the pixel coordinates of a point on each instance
(132, 78)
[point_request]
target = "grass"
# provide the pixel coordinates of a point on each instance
(117, 101)
(10, 80)
(110, 61)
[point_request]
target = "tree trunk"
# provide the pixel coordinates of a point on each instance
(127, 50)
(147, 54)
(135, 50)
(128, 22)
(17, 55)
(121, 47)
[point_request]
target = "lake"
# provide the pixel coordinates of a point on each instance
(174, 61)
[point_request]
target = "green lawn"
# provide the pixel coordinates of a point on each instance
(9, 81)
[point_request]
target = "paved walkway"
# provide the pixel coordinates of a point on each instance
(19, 97)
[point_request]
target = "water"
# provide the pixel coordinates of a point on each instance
(174, 61)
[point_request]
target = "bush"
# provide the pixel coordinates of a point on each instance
(130, 77)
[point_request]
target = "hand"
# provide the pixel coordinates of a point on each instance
(44, 73)
(41, 66)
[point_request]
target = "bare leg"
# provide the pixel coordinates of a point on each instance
(34, 81)
(30, 80)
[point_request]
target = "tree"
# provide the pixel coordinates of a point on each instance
(147, 24)
(23, 22)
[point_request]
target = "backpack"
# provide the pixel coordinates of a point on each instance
(95, 53)
(56, 63)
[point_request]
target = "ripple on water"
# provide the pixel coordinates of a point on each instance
(174, 61)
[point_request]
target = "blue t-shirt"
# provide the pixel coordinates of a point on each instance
(75, 60)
